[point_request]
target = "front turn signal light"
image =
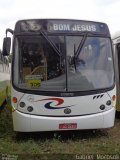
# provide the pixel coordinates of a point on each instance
(113, 97)
(14, 100)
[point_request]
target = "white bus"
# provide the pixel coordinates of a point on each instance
(116, 49)
(4, 80)
(62, 75)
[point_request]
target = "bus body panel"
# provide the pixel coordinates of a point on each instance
(117, 78)
(3, 85)
(31, 123)
(4, 80)
(116, 41)
(25, 122)
(52, 106)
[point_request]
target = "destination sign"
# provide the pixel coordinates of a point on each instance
(74, 28)
(77, 26)
(61, 26)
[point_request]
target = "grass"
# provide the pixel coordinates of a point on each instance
(65, 145)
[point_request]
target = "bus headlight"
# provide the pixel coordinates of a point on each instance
(22, 104)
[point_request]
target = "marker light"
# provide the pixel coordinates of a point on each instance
(14, 100)
(22, 104)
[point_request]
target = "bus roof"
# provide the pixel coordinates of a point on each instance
(60, 26)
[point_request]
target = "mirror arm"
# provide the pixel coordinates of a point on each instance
(9, 30)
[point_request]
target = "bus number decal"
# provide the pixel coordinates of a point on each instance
(33, 81)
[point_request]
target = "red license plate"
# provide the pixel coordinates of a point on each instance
(68, 126)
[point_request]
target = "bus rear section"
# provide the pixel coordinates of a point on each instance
(62, 76)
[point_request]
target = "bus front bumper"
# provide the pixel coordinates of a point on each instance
(32, 123)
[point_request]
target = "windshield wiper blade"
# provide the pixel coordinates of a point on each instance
(51, 43)
(76, 54)
(81, 45)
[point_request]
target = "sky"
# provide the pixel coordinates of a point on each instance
(95, 10)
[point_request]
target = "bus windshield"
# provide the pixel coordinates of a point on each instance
(61, 65)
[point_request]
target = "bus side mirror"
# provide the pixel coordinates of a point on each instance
(6, 46)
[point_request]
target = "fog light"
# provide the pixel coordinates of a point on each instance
(30, 109)
(108, 102)
(102, 107)
(22, 104)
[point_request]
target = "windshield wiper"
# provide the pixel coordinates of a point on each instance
(76, 54)
(51, 43)
(81, 45)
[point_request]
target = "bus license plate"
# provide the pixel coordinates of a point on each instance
(68, 126)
